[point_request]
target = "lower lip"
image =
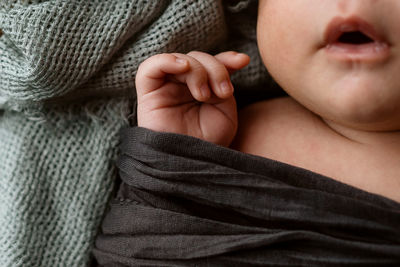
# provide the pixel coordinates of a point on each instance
(370, 52)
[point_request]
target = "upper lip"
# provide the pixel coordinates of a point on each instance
(338, 25)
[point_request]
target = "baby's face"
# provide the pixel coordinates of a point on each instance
(339, 58)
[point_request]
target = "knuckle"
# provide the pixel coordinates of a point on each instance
(198, 69)
(208, 65)
(219, 71)
(202, 57)
(196, 53)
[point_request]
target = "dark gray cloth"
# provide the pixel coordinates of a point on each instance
(187, 202)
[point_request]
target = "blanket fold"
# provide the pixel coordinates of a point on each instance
(187, 202)
(59, 51)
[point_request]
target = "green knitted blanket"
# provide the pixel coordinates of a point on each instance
(67, 72)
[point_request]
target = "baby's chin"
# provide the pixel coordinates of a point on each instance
(366, 103)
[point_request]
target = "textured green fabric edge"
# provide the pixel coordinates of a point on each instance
(56, 176)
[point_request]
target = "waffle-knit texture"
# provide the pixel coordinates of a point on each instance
(67, 72)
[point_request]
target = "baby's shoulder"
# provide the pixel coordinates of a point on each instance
(283, 130)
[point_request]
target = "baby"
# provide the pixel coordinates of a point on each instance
(339, 62)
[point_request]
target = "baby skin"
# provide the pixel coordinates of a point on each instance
(339, 62)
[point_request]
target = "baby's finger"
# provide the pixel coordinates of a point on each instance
(233, 61)
(218, 75)
(196, 78)
(152, 71)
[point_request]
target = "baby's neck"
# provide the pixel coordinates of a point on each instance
(377, 139)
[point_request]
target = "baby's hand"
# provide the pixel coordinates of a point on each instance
(189, 94)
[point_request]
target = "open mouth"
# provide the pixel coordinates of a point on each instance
(353, 38)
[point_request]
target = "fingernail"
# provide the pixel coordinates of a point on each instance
(205, 91)
(226, 87)
(180, 60)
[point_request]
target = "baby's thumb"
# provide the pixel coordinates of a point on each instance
(233, 61)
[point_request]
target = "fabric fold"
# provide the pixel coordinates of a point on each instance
(187, 202)
(59, 51)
